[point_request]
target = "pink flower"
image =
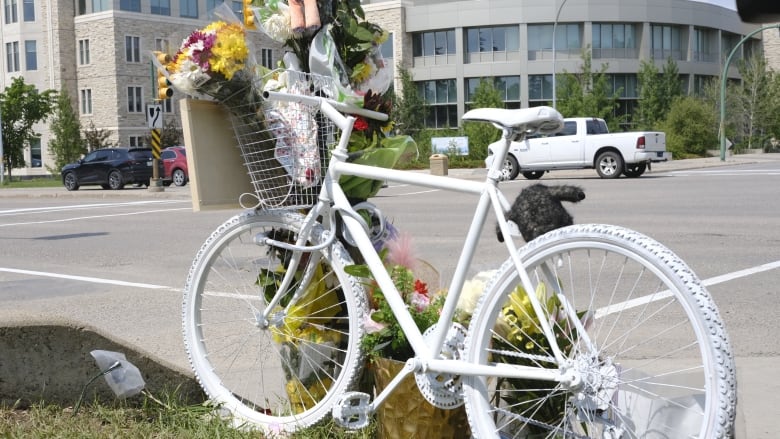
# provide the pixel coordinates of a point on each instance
(420, 301)
(370, 325)
(400, 251)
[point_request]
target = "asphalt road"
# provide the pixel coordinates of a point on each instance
(118, 260)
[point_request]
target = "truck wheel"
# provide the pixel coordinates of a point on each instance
(511, 169)
(634, 170)
(609, 164)
(533, 175)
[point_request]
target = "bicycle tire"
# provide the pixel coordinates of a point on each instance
(287, 375)
(660, 363)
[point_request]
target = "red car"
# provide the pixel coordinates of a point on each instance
(174, 160)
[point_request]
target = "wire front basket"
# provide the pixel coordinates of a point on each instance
(285, 145)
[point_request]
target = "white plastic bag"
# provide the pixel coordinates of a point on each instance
(125, 380)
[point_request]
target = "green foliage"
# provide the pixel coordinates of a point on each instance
(657, 91)
(689, 128)
(757, 101)
(409, 108)
(171, 134)
(21, 107)
(482, 134)
(66, 144)
(96, 138)
(587, 93)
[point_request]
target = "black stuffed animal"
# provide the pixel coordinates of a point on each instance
(538, 209)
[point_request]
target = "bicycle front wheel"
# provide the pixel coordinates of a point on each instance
(645, 353)
(281, 374)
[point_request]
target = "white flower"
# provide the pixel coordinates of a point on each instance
(472, 291)
(278, 26)
(189, 77)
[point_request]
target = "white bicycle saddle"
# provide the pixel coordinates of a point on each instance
(542, 120)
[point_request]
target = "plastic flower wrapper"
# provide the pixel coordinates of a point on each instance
(217, 62)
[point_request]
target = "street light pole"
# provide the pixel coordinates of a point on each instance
(724, 77)
(555, 29)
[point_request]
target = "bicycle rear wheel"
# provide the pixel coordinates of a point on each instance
(285, 374)
(634, 324)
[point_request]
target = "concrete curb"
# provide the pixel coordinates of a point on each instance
(50, 362)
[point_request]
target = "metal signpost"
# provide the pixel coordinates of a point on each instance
(154, 117)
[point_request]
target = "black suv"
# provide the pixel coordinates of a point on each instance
(111, 168)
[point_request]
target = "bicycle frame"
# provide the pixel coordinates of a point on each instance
(332, 199)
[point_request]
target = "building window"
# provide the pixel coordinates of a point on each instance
(266, 58)
(540, 90)
(666, 42)
(625, 85)
(161, 7)
(86, 101)
(700, 83)
(133, 49)
(614, 40)
(433, 43)
(441, 97)
(162, 45)
(83, 52)
(210, 5)
(704, 48)
(238, 9)
(386, 48)
(35, 153)
(130, 5)
(28, 10)
(12, 56)
(508, 87)
(728, 41)
(540, 40)
(11, 14)
(493, 39)
(189, 8)
(101, 5)
(136, 141)
(134, 99)
(30, 55)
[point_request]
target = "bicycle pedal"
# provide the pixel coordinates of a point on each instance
(351, 410)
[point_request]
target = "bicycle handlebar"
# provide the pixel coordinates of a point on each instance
(316, 100)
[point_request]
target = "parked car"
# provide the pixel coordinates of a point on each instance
(111, 168)
(585, 143)
(174, 160)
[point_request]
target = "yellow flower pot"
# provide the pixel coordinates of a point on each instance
(406, 414)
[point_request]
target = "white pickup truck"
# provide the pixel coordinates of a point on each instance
(585, 143)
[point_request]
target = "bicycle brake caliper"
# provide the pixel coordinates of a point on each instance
(351, 410)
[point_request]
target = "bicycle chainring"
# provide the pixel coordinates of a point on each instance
(444, 390)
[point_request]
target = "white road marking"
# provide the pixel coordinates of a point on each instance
(62, 220)
(7, 212)
(639, 301)
(599, 313)
(96, 280)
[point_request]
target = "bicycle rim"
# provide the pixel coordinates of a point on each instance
(633, 323)
(286, 375)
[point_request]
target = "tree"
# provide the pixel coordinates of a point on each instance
(171, 134)
(21, 107)
(657, 91)
(409, 108)
(755, 98)
(689, 127)
(587, 93)
(96, 138)
(66, 144)
(482, 134)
